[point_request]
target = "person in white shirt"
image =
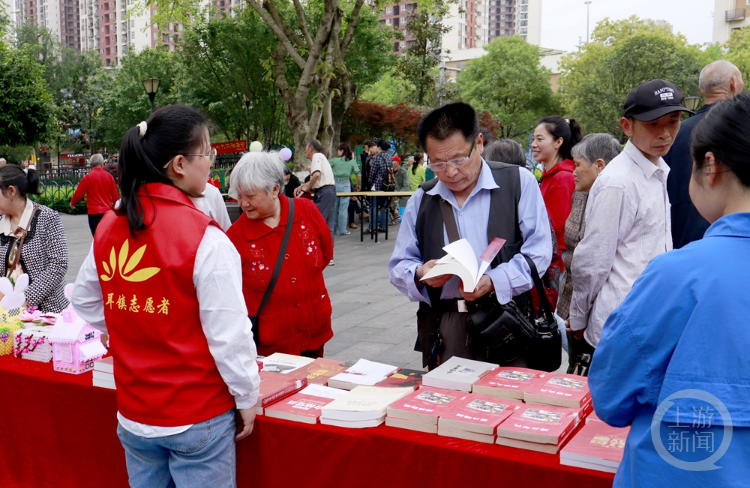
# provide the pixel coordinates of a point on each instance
(323, 184)
(212, 204)
(627, 215)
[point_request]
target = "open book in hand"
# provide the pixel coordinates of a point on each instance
(462, 262)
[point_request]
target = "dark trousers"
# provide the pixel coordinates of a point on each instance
(94, 220)
(576, 349)
(325, 199)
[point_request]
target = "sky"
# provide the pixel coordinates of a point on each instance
(564, 21)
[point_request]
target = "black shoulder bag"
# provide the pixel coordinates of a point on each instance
(254, 320)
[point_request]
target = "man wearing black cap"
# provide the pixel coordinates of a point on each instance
(627, 214)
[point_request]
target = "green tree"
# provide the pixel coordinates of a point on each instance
(25, 104)
(738, 51)
(509, 83)
(220, 64)
(123, 100)
(418, 66)
(390, 89)
(595, 81)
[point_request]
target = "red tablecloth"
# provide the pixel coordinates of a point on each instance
(59, 431)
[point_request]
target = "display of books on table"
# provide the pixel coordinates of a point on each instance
(543, 428)
(304, 406)
(363, 373)
(460, 260)
(275, 387)
(507, 382)
(457, 374)
(476, 417)
(421, 409)
(596, 446)
(319, 371)
(284, 363)
(563, 390)
(592, 417)
(364, 406)
(104, 373)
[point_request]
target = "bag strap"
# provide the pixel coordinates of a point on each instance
(450, 220)
(543, 302)
(21, 240)
(280, 258)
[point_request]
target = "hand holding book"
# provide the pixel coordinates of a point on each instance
(461, 261)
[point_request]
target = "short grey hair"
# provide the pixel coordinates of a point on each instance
(3, 162)
(257, 171)
(96, 160)
(505, 151)
(717, 75)
(597, 146)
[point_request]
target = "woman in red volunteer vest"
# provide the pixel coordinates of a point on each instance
(168, 284)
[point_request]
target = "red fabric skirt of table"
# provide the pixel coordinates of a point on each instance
(58, 430)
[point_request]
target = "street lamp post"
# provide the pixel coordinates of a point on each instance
(247, 126)
(151, 85)
(588, 11)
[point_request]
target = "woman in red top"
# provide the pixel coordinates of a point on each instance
(297, 317)
(554, 137)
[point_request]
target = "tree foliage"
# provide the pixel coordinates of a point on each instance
(509, 83)
(738, 51)
(25, 105)
(595, 81)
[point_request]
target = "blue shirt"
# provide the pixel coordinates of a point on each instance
(684, 325)
(511, 278)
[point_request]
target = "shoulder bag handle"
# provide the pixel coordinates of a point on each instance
(280, 258)
(543, 302)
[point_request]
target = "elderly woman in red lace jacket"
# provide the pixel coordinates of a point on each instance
(297, 317)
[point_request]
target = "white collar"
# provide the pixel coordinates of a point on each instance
(24, 222)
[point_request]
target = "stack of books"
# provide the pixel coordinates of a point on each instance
(421, 409)
(275, 387)
(508, 383)
(104, 373)
(284, 363)
(476, 417)
(542, 428)
(457, 374)
(363, 373)
(319, 371)
(364, 406)
(304, 406)
(596, 446)
(562, 390)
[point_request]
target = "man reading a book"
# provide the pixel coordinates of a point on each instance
(470, 190)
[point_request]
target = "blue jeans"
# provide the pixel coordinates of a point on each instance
(379, 208)
(203, 455)
(342, 207)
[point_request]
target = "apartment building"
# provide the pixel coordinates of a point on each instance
(396, 16)
(730, 15)
(59, 16)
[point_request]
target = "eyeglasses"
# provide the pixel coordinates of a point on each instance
(456, 163)
(211, 155)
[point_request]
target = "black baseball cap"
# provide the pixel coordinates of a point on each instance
(653, 99)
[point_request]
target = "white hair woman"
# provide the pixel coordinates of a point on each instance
(297, 317)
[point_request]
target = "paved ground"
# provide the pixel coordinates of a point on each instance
(371, 319)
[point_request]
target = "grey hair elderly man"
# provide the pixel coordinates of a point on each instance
(100, 190)
(3, 162)
(718, 81)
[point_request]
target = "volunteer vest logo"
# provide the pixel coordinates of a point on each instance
(125, 265)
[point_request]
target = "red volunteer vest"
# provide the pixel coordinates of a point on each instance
(164, 371)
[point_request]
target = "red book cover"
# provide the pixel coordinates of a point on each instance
(544, 424)
(305, 405)
(565, 390)
(597, 443)
(426, 404)
(275, 386)
(479, 413)
(402, 378)
(319, 371)
(592, 417)
(510, 383)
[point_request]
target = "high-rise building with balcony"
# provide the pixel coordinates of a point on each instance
(59, 16)
(730, 15)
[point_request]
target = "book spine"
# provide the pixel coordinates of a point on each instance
(292, 388)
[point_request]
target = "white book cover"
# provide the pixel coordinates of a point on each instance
(363, 403)
(105, 365)
(365, 373)
(284, 363)
(462, 262)
(457, 374)
(104, 384)
(101, 375)
(352, 424)
(322, 391)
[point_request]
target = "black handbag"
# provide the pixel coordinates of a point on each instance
(254, 319)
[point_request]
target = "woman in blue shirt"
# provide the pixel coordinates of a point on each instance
(676, 351)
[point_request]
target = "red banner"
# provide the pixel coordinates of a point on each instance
(230, 147)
